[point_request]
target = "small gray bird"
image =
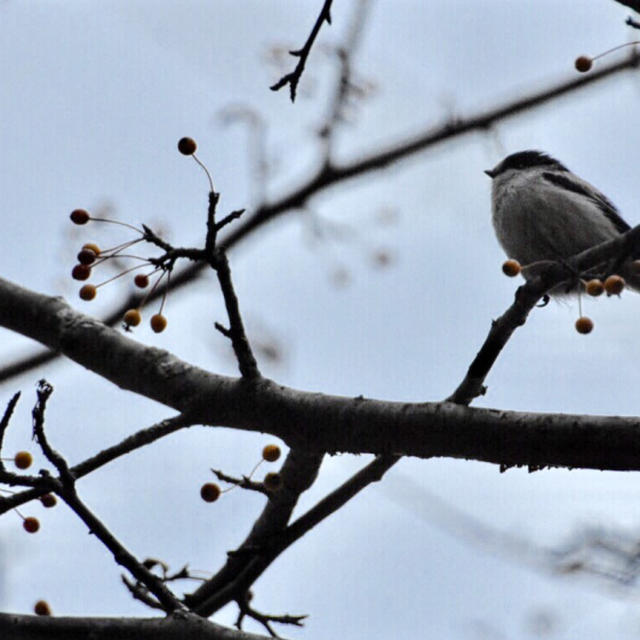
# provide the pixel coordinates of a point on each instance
(543, 212)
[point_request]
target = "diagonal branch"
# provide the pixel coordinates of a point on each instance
(302, 54)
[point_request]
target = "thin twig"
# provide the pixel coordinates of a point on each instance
(302, 54)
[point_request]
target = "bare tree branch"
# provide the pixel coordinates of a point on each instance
(632, 4)
(302, 54)
(179, 626)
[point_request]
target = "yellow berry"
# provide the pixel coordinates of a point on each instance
(594, 287)
(583, 63)
(80, 216)
(271, 453)
(614, 285)
(272, 481)
(158, 323)
(187, 146)
(30, 524)
(88, 292)
(41, 608)
(132, 318)
(210, 492)
(584, 325)
(90, 246)
(511, 268)
(23, 459)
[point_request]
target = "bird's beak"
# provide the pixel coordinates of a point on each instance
(491, 173)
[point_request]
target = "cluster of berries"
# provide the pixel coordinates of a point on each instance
(272, 481)
(612, 286)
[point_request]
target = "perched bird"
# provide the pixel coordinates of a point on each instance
(543, 212)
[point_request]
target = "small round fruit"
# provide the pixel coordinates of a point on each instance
(141, 280)
(48, 500)
(272, 481)
(635, 266)
(81, 272)
(614, 285)
(158, 323)
(132, 318)
(584, 325)
(91, 246)
(41, 608)
(583, 63)
(511, 268)
(86, 256)
(271, 453)
(88, 292)
(187, 146)
(210, 492)
(30, 524)
(594, 287)
(23, 459)
(80, 216)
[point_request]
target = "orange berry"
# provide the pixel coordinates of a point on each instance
(30, 524)
(614, 285)
(187, 146)
(594, 287)
(81, 272)
(86, 256)
(141, 280)
(48, 500)
(272, 481)
(80, 216)
(210, 492)
(584, 325)
(132, 318)
(90, 246)
(41, 608)
(23, 459)
(583, 63)
(271, 453)
(511, 268)
(88, 292)
(158, 323)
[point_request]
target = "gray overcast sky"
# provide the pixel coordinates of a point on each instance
(96, 96)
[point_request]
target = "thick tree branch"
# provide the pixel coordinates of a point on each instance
(176, 627)
(321, 423)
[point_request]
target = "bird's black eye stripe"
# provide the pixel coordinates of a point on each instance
(604, 204)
